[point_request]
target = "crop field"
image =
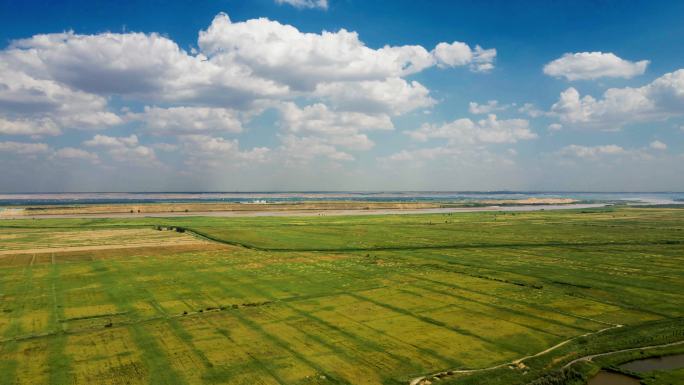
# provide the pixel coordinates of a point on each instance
(468, 298)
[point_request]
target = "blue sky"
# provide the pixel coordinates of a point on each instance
(406, 95)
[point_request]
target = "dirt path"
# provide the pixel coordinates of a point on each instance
(517, 362)
(314, 213)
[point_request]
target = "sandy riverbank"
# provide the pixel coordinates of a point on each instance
(313, 212)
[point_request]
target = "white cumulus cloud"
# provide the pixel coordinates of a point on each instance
(111, 141)
(531, 110)
(55, 82)
(23, 148)
(305, 148)
(326, 130)
(68, 76)
(124, 148)
(460, 54)
(29, 127)
(394, 96)
(658, 145)
(318, 118)
(555, 127)
(215, 152)
(658, 100)
(42, 106)
(304, 61)
(591, 152)
(594, 65)
(466, 131)
(487, 108)
(185, 120)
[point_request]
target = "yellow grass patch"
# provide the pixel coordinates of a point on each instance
(91, 311)
(35, 321)
(107, 357)
(31, 357)
(42, 241)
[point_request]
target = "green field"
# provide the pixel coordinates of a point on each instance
(336, 300)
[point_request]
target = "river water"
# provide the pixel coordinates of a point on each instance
(656, 363)
(645, 365)
(609, 378)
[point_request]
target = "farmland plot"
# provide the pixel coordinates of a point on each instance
(345, 300)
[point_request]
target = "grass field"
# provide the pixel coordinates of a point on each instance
(336, 300)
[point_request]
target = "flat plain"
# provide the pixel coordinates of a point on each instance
(467, 298)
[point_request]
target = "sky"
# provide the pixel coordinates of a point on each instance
(302, 95)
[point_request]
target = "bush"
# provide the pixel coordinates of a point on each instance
(567, 376)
